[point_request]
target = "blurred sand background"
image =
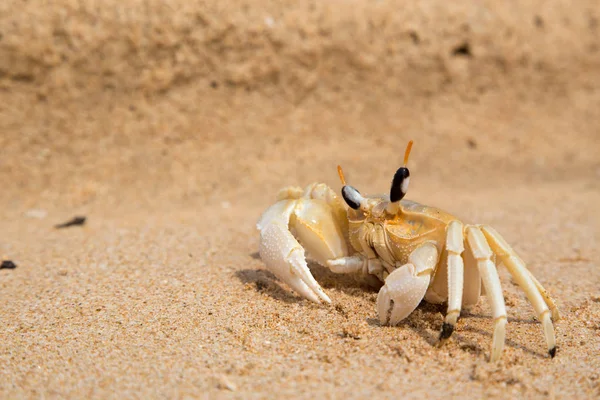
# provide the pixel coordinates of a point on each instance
(172, 124)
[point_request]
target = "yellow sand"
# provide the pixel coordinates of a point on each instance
(171, 125)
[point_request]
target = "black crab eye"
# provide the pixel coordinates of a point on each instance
(352, 197)
(399, 184)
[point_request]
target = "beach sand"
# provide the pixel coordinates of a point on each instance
(171, 126)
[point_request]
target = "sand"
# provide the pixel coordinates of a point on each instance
(172, 125)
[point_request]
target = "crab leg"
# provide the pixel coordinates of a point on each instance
(489, 275)
(405, 287)
(454, 247)
(358, 263)
(549, 301)
(535, 292)
(347, 265)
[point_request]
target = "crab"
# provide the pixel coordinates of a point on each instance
(417, 252)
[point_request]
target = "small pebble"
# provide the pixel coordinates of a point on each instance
(7, 264)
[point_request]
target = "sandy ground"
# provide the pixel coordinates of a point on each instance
(171, 126)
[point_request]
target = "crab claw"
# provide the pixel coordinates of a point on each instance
(285, 258)
(315, 224)
(405, 287)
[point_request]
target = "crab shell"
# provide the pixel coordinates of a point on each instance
(394, 238)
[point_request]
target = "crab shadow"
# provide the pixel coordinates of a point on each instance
(266, 282)
(426, 321)
(429, 317)
(421, 321)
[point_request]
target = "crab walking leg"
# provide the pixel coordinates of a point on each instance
(549, 301)
(347, 265)
(489, 275)
(405, 287)
(523, 277)
(454, 247)
(357, 263)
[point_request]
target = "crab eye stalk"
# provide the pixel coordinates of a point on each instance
(351, 196)
(400, 183)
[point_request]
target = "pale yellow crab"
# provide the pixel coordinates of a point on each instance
(418, 251)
